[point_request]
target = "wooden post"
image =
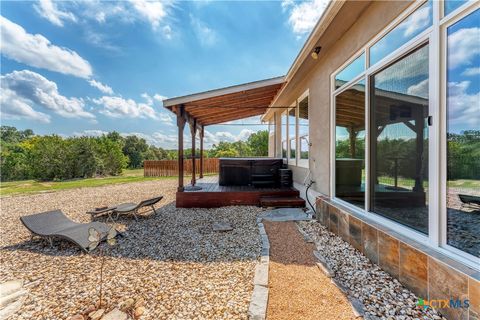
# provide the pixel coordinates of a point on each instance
(353, 139)
(181, 126)
(193, 131)
(201, 151)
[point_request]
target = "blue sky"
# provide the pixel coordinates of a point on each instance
(75, 68)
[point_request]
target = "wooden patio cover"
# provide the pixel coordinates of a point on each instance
(218, 106)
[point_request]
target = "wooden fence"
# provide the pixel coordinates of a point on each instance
(166, 168)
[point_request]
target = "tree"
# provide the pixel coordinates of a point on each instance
(12, 135)
(135, 148)
(258, 143)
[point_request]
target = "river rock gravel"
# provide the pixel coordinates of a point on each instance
(383, 296)
(172, 259)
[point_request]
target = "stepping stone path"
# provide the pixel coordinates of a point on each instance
(12, 297)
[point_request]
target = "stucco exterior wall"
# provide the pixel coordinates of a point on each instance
(368, 24)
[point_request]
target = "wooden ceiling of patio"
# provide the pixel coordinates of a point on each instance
(230, 106)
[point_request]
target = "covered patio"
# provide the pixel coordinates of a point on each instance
(216, 107)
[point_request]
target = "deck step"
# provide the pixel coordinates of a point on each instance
(282, 202)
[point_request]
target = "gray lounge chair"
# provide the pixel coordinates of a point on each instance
(473, 202)
(55, 224)
(133, 208)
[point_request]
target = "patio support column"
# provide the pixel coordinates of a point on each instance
(202, 131)
(180, 111)
(193, 131)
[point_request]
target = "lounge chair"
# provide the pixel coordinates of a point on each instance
(470, 201)
(55, 224)
(133, 208)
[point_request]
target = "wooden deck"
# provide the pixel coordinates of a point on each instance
(212, 195)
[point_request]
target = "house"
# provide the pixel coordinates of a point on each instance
(373, 111)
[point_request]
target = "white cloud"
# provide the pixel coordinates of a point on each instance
(244, 134)
(90, 133)
(15, 107)
(118, 107)
(37, 51)
(153, 11)
(463, 108)
(463, 46)
(304, 15)
(470, 72)
(225, 136)
(49, 10)
(100, 86)
(159, 97)
(27, 88)
(420, 89)
(205, 35)
(417, 21)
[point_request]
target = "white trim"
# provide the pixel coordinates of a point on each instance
(459, 13)
(304, 163)
(462, 12)
(222, 91)
(433, 131)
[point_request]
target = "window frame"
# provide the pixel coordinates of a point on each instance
(436, 37)
(304, 163)
(292, 161)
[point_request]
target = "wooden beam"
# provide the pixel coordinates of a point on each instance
(193, 131)
(181, 126)
(239, 113)
(201, 150)
(232, 118)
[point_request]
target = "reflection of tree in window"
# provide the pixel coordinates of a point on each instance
(399, 140)
(303, 128)
(350, 145)
(463, 134)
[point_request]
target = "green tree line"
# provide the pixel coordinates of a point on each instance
(25, 155)
(463, 155)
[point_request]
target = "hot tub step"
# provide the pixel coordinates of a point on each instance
(282, 202)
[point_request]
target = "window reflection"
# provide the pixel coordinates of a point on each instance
(412, 26)
(350, 145)
(463, 135)
(451, 5)
(399, 141)
(348, 73)
(303, 128)
(292, 133)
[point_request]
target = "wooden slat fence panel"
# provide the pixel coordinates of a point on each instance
(167, 168)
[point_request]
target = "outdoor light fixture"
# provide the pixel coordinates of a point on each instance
(315, 52)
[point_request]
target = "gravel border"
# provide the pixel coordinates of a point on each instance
(257, 309)
(368, 287)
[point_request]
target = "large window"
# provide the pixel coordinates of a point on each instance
(412, 26)
(463, 134)
(303, 132)
(406, 130)
(350, 145)
(399, 140)
(351, 71)
(292, 121)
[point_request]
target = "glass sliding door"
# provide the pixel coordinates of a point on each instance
(350, 145)
(463, 135)
(399, 140)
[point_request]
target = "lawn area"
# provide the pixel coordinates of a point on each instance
(32, 186)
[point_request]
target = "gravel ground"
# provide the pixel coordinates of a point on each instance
(297, 288)
(172, 259)
(383, 296)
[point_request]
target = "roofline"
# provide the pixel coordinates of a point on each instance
(222, 91)
(325, 19)
(323, 22)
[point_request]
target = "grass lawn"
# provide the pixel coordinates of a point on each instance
(32, 186)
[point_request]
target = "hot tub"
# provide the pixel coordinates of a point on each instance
(249, 171)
